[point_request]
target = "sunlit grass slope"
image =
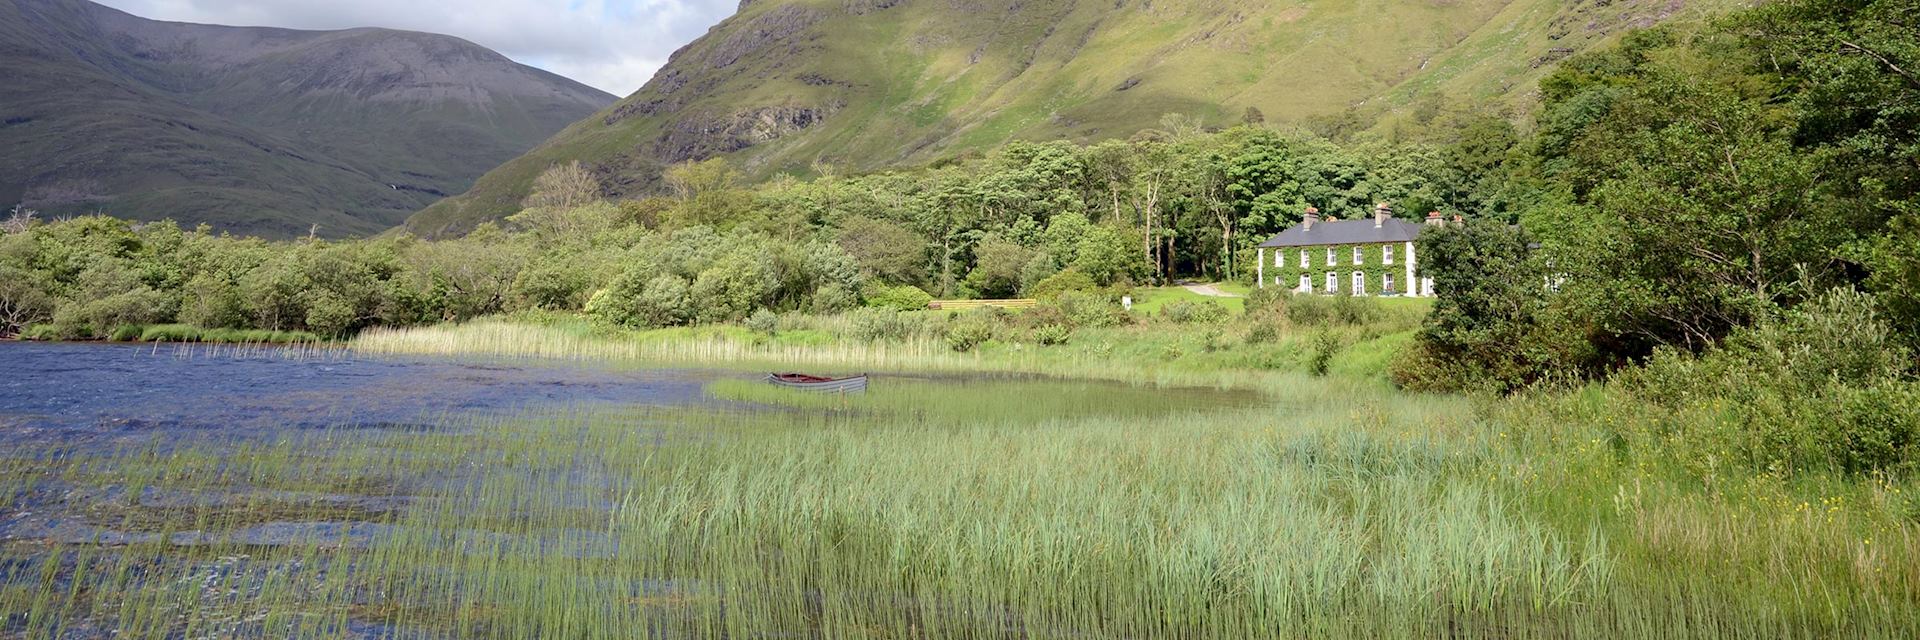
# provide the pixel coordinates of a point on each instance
(870, 84)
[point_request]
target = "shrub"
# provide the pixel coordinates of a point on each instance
(728, 291)
(329, 315)
(1052, 335)
(764, 321)
(969, 332)
(1264, 298)
(832, 298)
(1081, 309)
(1325, 346)
(125, 333)
(559, 284)
(876, 325)
(1193, 312)
(1070, 280)
(666, 301)
(901, 298)
(40, 333)
(662, 301)
(1263, 332)
(212, 301)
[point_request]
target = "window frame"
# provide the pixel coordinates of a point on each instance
(1386, 253)
(1333, 282)
(1359, 283)
(1359, 255)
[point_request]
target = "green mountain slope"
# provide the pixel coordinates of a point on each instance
(255, 130)
(864, 84)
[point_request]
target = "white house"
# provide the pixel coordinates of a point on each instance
(1365, 257)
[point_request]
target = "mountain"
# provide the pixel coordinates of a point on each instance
(866, 84)
(257, 130)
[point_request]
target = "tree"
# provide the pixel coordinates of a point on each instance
(998, 264)
(563, 187)
(884, 249)
(707, 193)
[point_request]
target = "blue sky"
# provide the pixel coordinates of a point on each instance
(612, 44)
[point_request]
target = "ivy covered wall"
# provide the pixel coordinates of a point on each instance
(1372, 262)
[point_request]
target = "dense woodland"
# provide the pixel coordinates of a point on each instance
(1694, 183)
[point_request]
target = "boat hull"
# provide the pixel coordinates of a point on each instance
(856, 384)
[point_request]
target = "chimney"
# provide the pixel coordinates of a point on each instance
(1459, 220)
(1313, 215)
(1434, 219)
(1381, 213)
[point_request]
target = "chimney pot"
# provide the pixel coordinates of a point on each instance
(1434, 219)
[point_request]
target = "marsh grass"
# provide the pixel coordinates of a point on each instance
(949, 507)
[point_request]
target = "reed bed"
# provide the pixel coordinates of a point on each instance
(941, 509)
(1101, 359)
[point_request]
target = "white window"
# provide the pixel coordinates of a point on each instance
(1359, 255)
(1303, 259)
(1306, 283)
(1276, 258)
(1386, 284)
(1359, 283)
(1329, 256)
(1333, 282)
(1386, 254)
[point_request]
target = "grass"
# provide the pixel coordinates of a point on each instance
(1149, 300)
(964, 508)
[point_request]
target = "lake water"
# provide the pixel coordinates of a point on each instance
(71, 394)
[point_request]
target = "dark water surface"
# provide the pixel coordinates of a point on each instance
(72, 393)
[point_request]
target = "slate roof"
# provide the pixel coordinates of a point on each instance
(1346, 232)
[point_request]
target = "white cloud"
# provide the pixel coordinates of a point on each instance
(611, 44)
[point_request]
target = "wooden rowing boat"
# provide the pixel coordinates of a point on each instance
(855, 384)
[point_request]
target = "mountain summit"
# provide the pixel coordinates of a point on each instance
(866, 84)
(257, 130)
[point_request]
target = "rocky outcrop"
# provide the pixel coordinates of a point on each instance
(697, 137)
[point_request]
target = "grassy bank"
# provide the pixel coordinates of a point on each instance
(1251, 350)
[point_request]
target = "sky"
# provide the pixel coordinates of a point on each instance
(614, 45)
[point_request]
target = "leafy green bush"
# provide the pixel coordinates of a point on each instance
(1265, 298)
(1263, 332)
(331, 316)
(1193, 312)
(125, 333)
(1077, 309)
(1325, 346)
(764, 321)
(970, 332)
(728, 291)
(832, 298)
(1052, 335)
(41, 333)
(901, 298)
(877, 325)
(212, 301)
(1821, 387)
(1058, 284)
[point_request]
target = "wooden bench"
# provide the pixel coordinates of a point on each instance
(958, 305)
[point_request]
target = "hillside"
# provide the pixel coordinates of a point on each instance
(256, 130)
(865, 84)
